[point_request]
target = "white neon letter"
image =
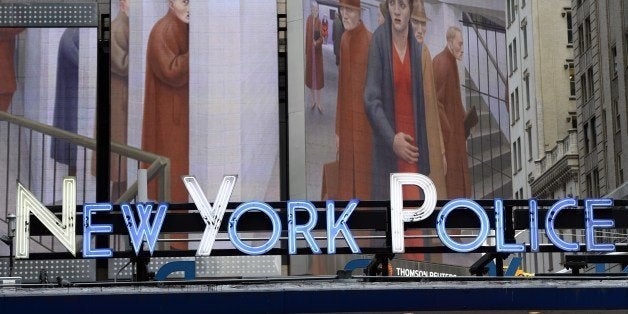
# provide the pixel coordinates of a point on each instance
(305, 229)
(399, 215)
(62, 229)
(211, 215)
(334, 227)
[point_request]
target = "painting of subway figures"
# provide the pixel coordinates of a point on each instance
(399, 86)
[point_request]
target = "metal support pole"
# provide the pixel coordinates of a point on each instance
(143, 258)
(103, 131)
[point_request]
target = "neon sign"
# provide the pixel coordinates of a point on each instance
(150, 218)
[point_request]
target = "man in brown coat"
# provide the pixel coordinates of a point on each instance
(353, 131)
(7, 68)
(433, 108)
(314, 77)
(166, 108)
(452, 122)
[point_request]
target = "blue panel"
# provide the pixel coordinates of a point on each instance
(187, 267)
(380, 299)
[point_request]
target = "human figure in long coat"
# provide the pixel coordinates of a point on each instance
(166, 108)
(394, 102)
(66, 98)
(438, 165)
(452, 121)
(353, 130)
(8, 84)
(314, 77)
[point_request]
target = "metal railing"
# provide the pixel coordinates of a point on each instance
(17, 170)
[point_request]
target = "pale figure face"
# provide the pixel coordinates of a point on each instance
(350, 17)
(314, 8)
(181, 9)
(400, 15)
(420, 28)
(456, 46)
(124, 6)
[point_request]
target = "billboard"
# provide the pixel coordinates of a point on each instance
(193, 86)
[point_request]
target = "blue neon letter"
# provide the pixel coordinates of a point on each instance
(534, 226)
(549, 225)
(145, 229)
(499, 231)
(591, 224)
(233, 228)
(442, 218)
(333, 228)
(293, 228)
(89, 229)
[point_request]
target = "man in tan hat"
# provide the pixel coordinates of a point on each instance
(434, 134)
(353, 131)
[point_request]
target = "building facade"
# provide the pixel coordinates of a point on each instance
(600, 68)
(541, 94)
(542, 103)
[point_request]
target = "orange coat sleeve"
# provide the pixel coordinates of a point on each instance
(168, 65)
(440, 80)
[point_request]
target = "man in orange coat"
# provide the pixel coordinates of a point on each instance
(452, 122)
(438, 165)
(7, 68)
(166, 108)
(353, 131)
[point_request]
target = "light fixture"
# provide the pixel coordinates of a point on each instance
(11, 220)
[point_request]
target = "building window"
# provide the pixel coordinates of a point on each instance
(586, 138)
(572, 80)
(604, 125)
(514, 157)
(519, 154)
(523, 3)
(569, 29)
(509, 4)
(512, 108)
(583, 88)
(587, 32)
(529, 135)
(593, 134)
(510, 58)
(614, 62)
(574, 121)
(526, 80)
(581, 39)
(513, 9)
(521, 193)
(589, 187)
(524, 30)
(514, 54)
(616, 117)
(590, 83)
(619, 171)
(517, 104)
(595, 181)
